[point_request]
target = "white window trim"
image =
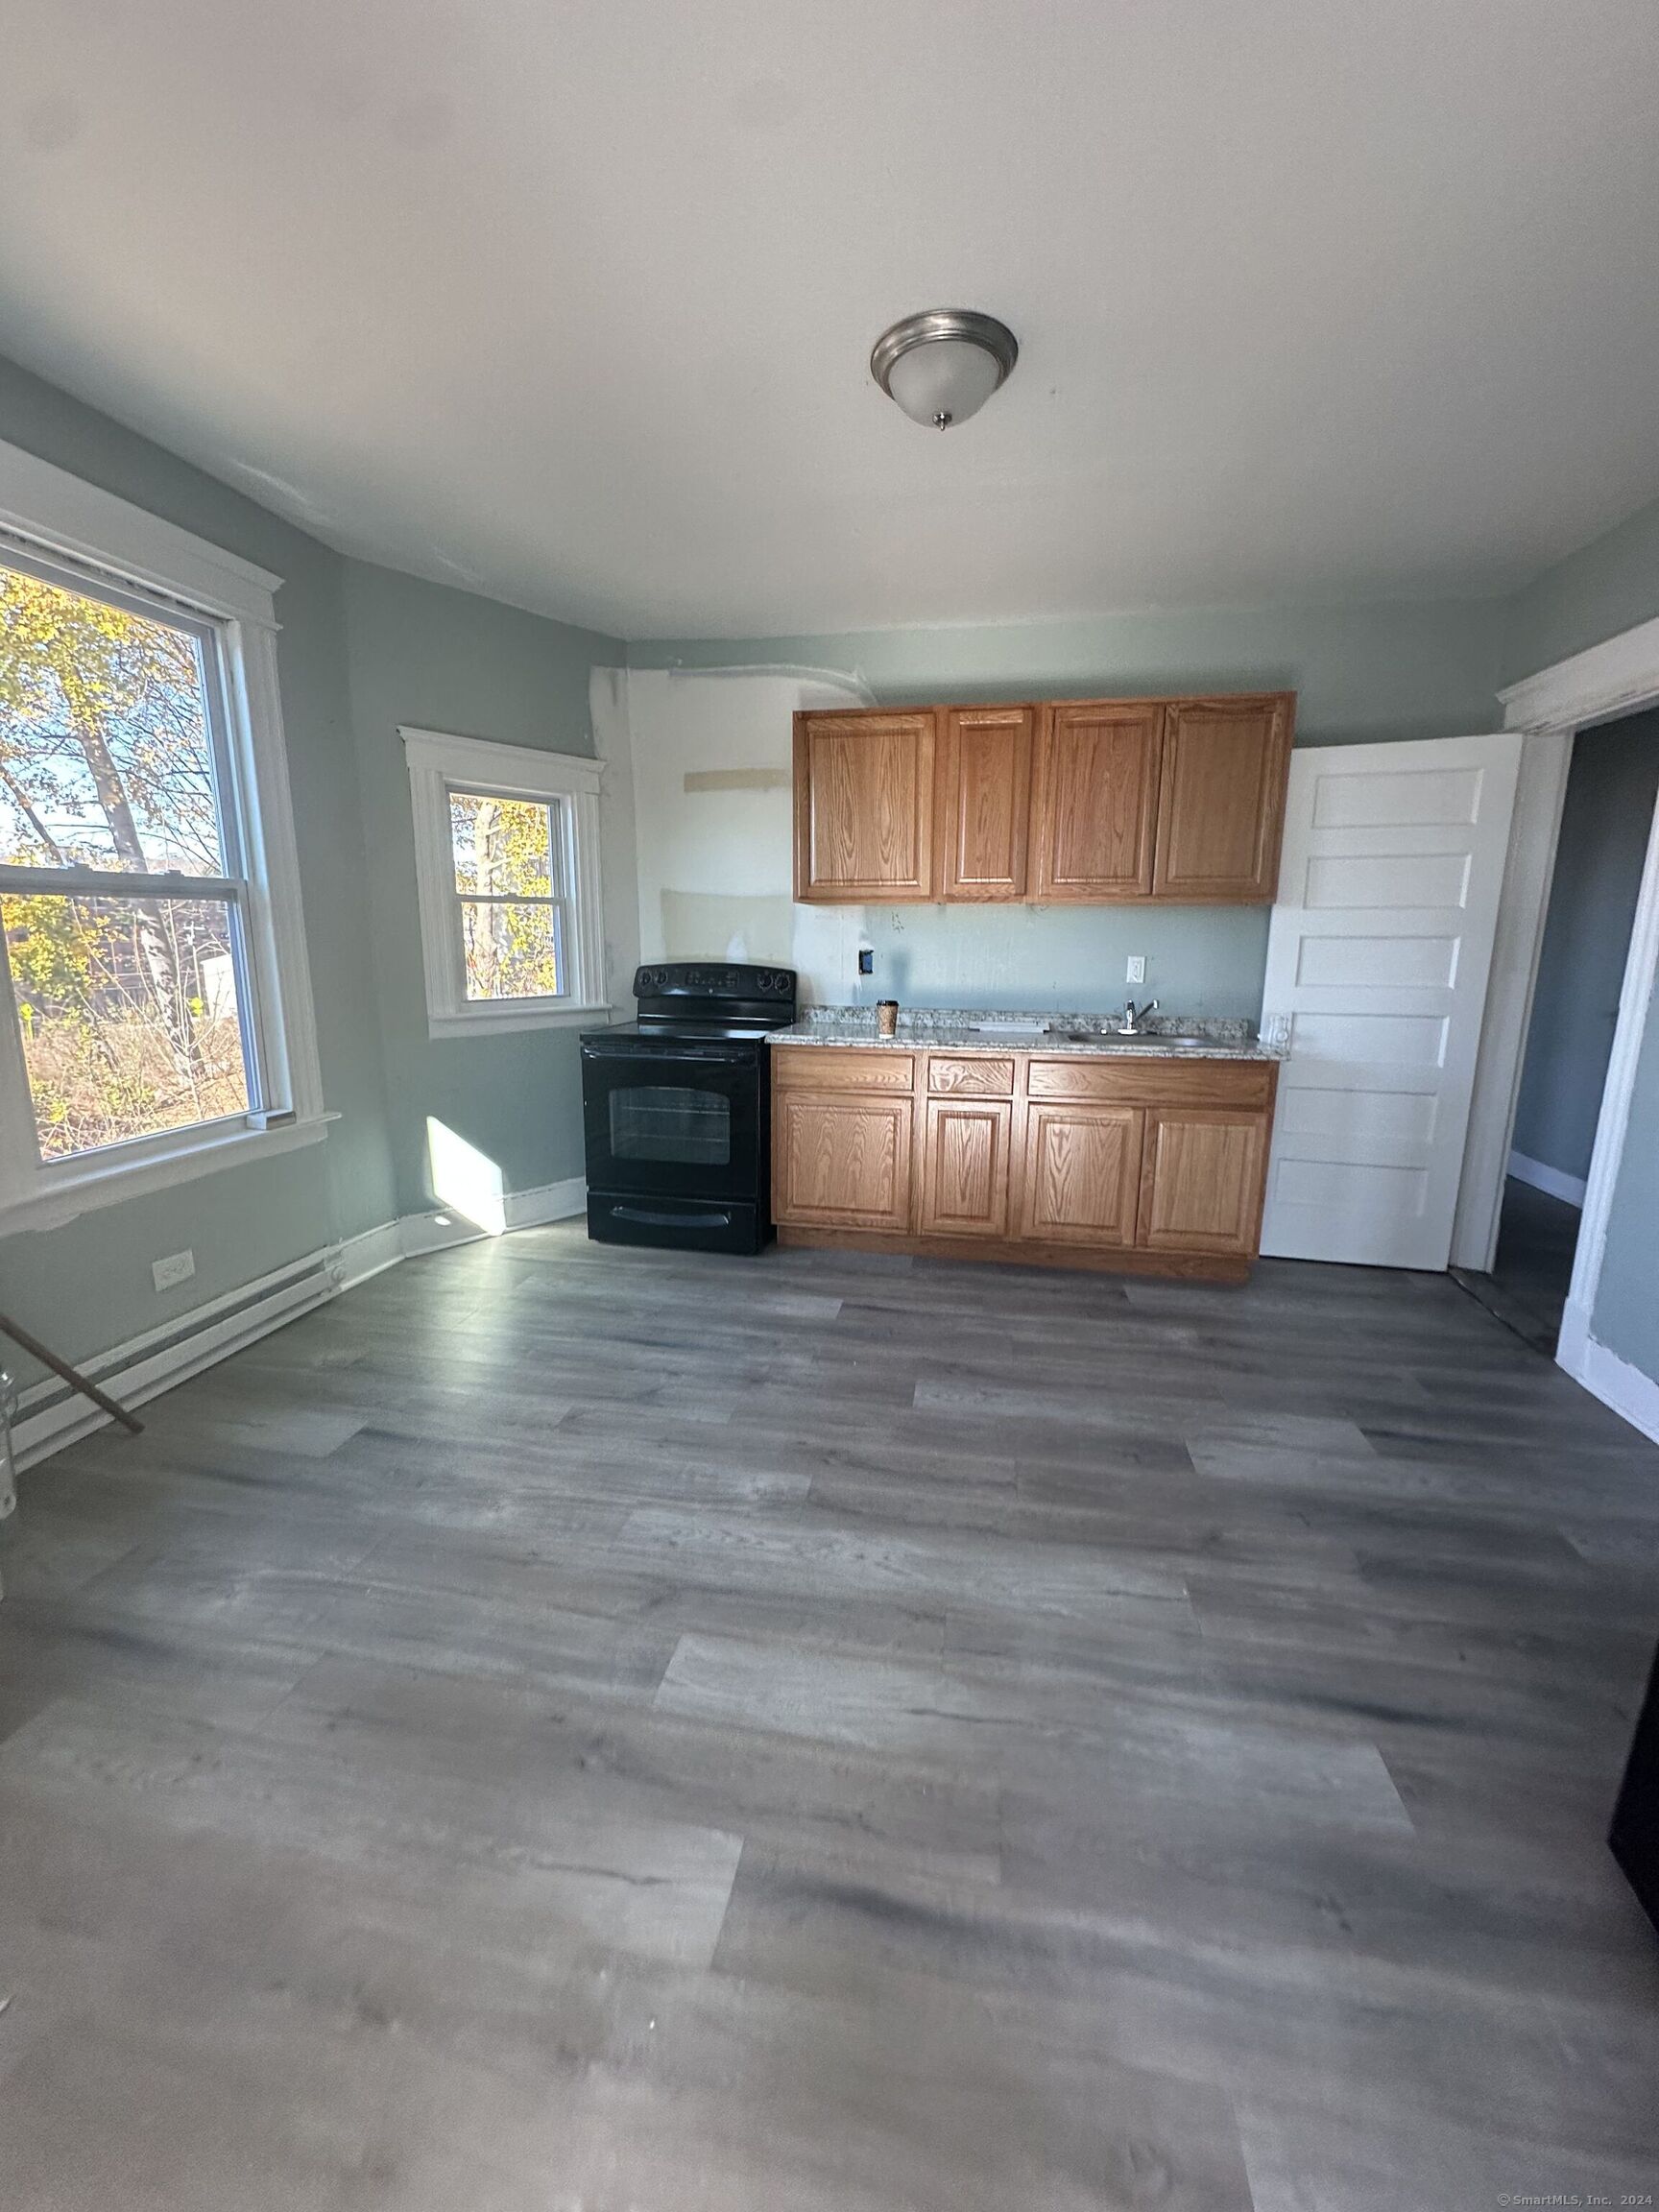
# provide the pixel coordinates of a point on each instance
(439, 762)
(45, 511)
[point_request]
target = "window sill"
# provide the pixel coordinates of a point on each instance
(86, 1188)
(488, 1021)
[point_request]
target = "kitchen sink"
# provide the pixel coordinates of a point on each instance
(1182, 1040)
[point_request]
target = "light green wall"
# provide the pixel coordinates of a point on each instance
(1608, 585)
(436, 658)
(361, 649)
(1056, 959)
(1397, 670)
(86, 1286)
(1604, 589)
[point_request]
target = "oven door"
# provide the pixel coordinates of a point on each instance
(673, 1121)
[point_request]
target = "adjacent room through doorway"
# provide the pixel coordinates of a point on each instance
(1612, 790)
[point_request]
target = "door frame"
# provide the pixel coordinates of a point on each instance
(1604, 684)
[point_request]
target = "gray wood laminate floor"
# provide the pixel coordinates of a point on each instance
(573, 1730)
(1532, 1269)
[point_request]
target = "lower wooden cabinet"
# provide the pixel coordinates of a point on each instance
(1082, 1179)
(841, 1159)
(1202, 1180)
(965, 1167)
(1110, 1161)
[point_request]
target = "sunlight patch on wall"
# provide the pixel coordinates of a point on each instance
(466, 1180)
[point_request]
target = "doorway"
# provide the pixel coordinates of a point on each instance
(1611, 793)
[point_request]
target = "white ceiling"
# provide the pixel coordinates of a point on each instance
(573, 303)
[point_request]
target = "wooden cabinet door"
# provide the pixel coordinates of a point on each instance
(864, 807)
(1222, 807)
(1095, 804)
(1202, 1180)
(1081, 1183)
(965, 1167)
(984, 774)
(841, 1159)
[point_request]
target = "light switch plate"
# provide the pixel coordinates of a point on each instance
(1136, 969)
(177, 1267)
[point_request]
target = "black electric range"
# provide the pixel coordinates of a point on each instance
(676, 1108)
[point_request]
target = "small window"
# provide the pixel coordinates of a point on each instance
(508, 877)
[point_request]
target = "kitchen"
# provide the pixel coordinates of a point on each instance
(1138, 1164)
(769, 1036)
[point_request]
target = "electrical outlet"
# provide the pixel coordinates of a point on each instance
(177, 1267)
(866, 960)
(1136, 969)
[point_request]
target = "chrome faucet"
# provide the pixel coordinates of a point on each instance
(1134, 1022)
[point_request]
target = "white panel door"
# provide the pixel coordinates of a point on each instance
(1377, 964)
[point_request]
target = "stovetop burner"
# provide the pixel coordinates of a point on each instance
(729, 994)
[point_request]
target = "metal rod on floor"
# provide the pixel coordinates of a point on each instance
(71, 1374)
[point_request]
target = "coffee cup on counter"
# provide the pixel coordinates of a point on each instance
(886, 1017)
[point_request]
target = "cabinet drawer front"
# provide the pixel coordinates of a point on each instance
(1082, 1179)
(1202, 1181)
(1127, 1082)
(841, 1068)
(971, 1076)
(965, 1168)
(841, 1160)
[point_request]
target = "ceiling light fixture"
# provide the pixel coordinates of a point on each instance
(942, 366)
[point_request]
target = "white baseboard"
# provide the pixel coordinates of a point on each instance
(146, 1365)
(1572, 1339)
(51, 1414)
(1633, 1395)
(359, 1258)
(437, 1230)
(547, 1202)
(1525, 1169)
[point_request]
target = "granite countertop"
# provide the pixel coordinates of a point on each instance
(948, 1029)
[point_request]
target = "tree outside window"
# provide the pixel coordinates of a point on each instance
(506, 876)
(121, 892)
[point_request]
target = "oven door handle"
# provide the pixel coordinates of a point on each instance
(684, 1052)
(650, 1218)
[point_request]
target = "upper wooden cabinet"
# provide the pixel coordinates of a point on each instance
(1095, 810)
(1069, 801)
(984, 774)
(1222, 809)
(864, 807)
